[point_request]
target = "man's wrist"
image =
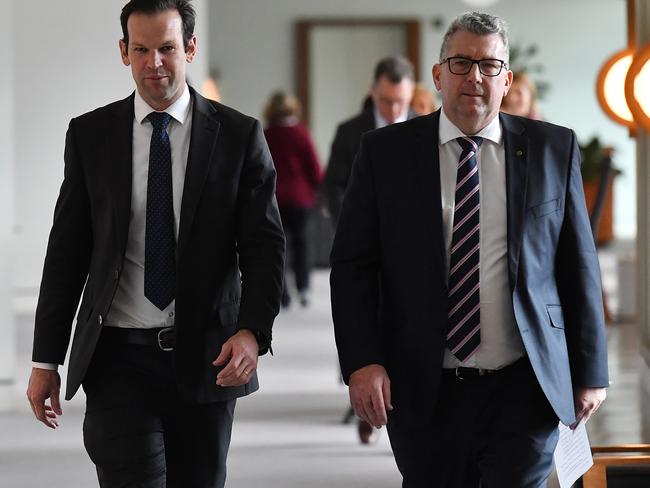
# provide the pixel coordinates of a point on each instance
(263, 344)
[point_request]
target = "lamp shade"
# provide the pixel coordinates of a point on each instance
(610, 87)
(637, 87)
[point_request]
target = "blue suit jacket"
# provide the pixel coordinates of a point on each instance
(389, 293)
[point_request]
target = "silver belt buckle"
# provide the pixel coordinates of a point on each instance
(166, 344)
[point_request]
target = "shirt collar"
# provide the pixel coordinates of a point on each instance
(448, 131)
(381, 122)
(178, 110)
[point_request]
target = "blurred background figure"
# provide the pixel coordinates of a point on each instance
(298, 177)
(423, 101)
(389, 101)
(522, 98)
(391, 93)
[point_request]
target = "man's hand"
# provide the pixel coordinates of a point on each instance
(587, 401)
(44, 384)
(370, 394)
(240, 351)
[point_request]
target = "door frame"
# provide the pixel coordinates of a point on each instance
(302, 48)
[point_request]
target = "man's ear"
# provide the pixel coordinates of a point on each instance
(190, 52)
(435, 73)
(508, 84)
(124, 53)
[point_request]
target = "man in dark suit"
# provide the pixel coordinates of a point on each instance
(388, 102)
(465, 283)
(167, 215)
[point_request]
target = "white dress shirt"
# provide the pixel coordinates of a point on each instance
(382, 122)
(501, 343)
(130, 308)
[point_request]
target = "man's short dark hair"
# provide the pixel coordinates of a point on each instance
(149, 7)
(395, 68)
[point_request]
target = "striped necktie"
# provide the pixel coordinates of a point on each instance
(464, 315)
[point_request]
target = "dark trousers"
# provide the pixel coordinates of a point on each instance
(294, 222)
(493, 431)
(140, 433)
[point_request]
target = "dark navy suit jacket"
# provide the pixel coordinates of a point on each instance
(389, 292)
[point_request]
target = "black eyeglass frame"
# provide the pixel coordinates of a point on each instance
(478, 62)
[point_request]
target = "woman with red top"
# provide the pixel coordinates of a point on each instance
(298, 176)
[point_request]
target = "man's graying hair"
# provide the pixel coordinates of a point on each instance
(478, 23)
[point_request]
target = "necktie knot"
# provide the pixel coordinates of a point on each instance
(470, 143)
(159, 120)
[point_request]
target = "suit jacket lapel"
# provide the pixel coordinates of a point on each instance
(516, 150)
(119, 144)
(205, 129)
(428, 184)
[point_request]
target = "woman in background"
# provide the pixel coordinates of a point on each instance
(298, 176)
(423, 101)
(522, 97)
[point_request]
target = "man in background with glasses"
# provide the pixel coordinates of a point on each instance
(465, 284)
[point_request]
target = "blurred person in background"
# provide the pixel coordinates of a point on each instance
(299, 175)
(521, 100)
(167, 220)
(424, 101)
(388, 102)
(391, 93)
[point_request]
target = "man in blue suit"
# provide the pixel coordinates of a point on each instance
(465, 283)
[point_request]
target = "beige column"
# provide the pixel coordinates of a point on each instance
(7, 329)
(642, 28)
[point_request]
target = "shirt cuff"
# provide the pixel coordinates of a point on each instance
(50, 366)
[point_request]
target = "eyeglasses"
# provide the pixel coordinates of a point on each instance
(461, 66)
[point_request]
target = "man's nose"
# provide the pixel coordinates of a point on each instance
(474, 74)
(155, 59)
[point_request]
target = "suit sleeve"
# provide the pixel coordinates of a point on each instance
(260, 240)
(578, 278)
(338, 172)
(355, 272)
(66, 262)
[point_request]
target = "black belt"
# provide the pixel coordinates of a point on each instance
(161, 337)
(463, 373)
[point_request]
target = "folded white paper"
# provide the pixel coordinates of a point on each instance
(572, 455)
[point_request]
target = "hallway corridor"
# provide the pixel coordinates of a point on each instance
(289, 434)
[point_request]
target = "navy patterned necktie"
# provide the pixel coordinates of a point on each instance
(464, 314)
(160, 240)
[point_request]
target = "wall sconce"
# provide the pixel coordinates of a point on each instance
(623, 84)
(610, 88)
(637, 87)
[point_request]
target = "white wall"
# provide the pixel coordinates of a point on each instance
(7, 331)
(252, 46)
(67, 62)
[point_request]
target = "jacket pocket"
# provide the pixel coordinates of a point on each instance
(556, 316)
(546, 208)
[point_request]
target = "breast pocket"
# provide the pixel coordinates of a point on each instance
(556, 316)
(546, 208)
